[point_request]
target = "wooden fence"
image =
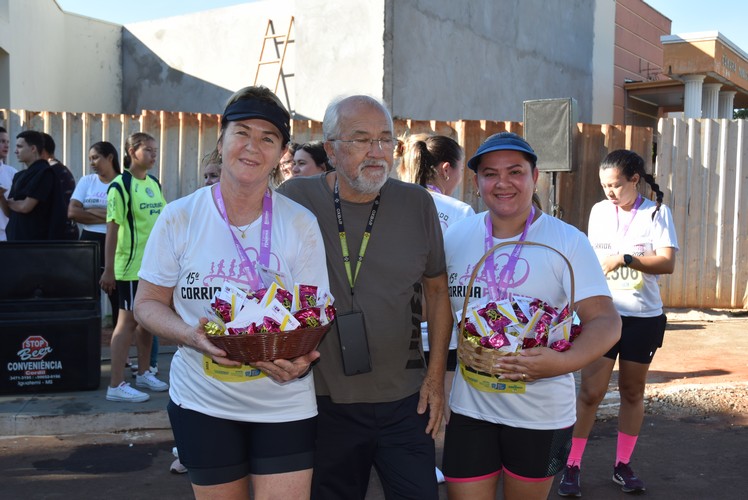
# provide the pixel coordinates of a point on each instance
(700, 165)
(703, 165)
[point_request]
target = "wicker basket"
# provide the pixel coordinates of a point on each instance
(270, 346)
(483, 359)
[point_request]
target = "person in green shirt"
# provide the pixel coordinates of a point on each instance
(134, 202)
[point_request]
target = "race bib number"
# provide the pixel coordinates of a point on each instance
(489, 383)
(625, 278)
(243, 373)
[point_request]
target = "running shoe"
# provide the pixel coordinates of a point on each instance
(570, 485)
(623, 475)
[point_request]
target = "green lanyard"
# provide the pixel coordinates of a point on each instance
(344, 242)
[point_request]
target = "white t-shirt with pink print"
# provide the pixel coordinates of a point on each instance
(540, 273)
(192, 250)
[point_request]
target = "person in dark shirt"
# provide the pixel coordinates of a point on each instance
(60, 220)
(31, 195)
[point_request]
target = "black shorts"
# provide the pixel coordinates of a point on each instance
(475, 450)
(218, 451)
(126, 291)
(640, 338)
(98, 237)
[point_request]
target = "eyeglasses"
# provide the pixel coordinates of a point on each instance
(288, 163)
(361, 145)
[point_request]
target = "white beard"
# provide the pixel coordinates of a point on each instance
(367, 184)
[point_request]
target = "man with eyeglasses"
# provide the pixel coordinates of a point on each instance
(379, 405)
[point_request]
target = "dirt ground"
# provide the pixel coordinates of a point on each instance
(701, 371)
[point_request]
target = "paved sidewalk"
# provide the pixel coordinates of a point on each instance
(65, 413)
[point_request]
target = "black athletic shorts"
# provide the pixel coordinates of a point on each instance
(218, 451)
(126, 291)
(475, 450)
(640, 338)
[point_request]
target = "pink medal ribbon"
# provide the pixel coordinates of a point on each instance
(250, 267)
(498, 291)
(637, 204)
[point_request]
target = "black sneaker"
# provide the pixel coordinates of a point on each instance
(570, 486)
(623, 475)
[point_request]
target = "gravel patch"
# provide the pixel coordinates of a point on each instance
(681, 401)
(695, 402)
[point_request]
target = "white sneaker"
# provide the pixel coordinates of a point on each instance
(149, 381)
(176, 465)
(124, 392)
(134, 369)
(439, 476)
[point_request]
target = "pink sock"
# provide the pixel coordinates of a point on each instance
(625, 449)
(577, 450)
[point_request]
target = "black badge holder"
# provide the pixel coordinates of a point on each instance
(354, 346)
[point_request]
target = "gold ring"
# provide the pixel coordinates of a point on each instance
(524, 377)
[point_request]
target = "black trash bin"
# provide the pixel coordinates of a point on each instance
(50, 317)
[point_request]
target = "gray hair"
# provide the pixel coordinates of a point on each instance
(331, 121)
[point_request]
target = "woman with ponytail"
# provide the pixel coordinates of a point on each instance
(437, 163)
(634, 239)
(89, 201)
(134, 202)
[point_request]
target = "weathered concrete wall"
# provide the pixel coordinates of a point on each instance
(196, 61)
(57, 61)
(428, 59)
(340, 50)
(91, 76)
(4, 57)
(602, 54)
(481, 59)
